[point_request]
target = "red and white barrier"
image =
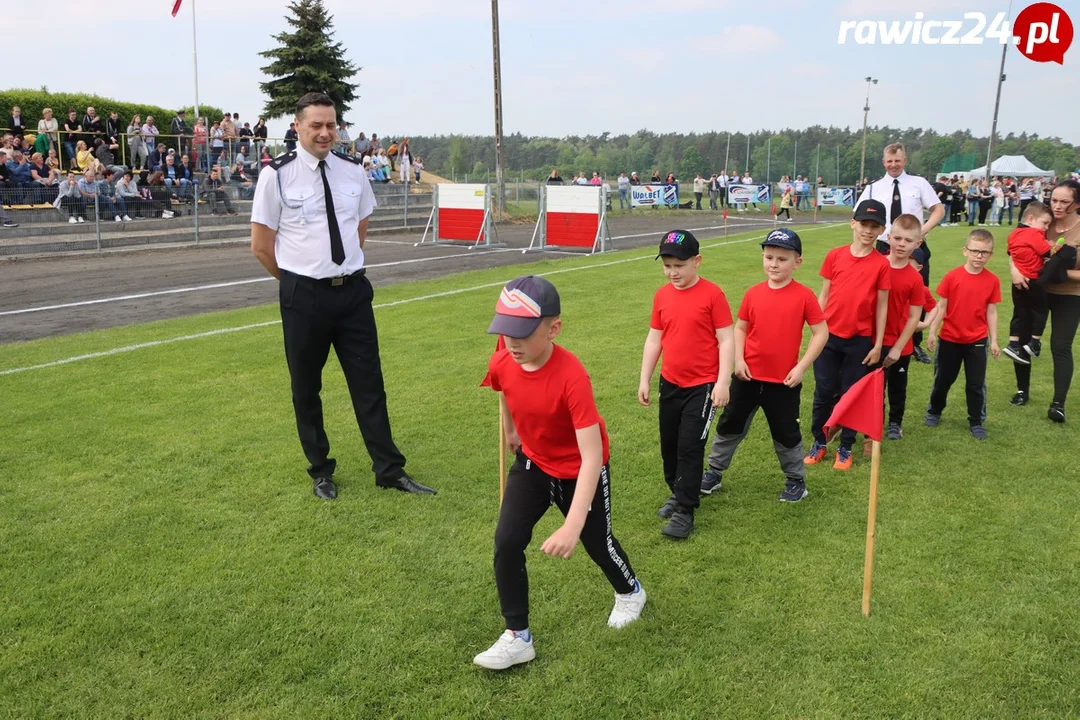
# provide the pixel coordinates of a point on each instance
(572, 216)
(461, 214)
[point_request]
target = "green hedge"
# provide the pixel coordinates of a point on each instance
(33, 102)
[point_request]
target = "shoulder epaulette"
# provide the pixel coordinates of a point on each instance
(282, 160)
(350, 158)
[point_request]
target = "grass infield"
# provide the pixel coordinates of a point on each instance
(163, 555)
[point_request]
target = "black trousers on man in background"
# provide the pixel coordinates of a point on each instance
(684, 428)
(315, 315)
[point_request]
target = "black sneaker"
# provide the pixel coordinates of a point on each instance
(978, 432)
(9, 224)
(932, 420)
(1033, 347)
(711, 481)
(1016, 351)
(1056, 412)
(1019, 399)
(922, 356)
(793, 492)
(668, 508)
(895, 432)
(680, 525)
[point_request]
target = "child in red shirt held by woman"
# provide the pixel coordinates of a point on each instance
(1029, 250)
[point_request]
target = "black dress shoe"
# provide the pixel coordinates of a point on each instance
(405, 483)
(324, 488)
(922, 356)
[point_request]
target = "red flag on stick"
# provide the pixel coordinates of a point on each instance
(176, 7)
(862, 407)
(725, 213)
(774, 208)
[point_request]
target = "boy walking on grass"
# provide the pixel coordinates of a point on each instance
(855, 297)
(1029, 250)
(768, 371)
(906, 292)
(551, 422)
(691, 326)
(967, 322)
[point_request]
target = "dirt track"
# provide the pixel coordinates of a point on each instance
(36, 283)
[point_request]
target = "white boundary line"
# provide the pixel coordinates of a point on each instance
(395, 303)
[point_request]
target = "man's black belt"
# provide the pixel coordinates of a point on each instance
(332, 281)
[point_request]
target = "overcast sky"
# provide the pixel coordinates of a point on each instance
(577, 66)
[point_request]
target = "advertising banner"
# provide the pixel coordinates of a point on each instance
(748, 194)
(835, 196)
(654, 195)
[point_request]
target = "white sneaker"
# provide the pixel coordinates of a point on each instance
(627, 607)
(757, 209)
(117, 219)
(508, 650)
(72, 220)
(82, 219)
(127, 218)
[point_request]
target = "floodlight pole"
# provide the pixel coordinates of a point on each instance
(997, 105)
(866, 113)
(499, 180)
(728, 151)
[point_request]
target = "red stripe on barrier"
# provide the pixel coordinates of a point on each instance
(572, 229)
(460, 224)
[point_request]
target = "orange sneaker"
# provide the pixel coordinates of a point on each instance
(843, 459)
(817, 454)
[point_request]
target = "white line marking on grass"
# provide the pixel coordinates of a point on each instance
(210, 286)
(394, 303)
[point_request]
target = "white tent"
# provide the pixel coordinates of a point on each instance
(1011, 166)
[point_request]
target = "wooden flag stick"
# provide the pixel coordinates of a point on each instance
(871, 529)
(502, 458)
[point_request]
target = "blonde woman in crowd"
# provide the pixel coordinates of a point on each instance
(48, 125)
(136, 147)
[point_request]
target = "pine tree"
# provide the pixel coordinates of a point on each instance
(307, 61)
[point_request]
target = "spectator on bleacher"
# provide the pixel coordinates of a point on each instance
(290, 138)
(4, 177)
(69, 198)
(229, 135)
(240, 178)
(157, 157)
(44, 177)
(554, 178)
(217, 145)
(372, 175)
(246, 136)
(93, 194)
(71, 136)
(418, 167)
(108, 191)
(382, 163)
(200, 147)
(344, 142)
(404, 159)
(114, 130)
(363, 145)
(265, 159)
(150, 132)
(137, 152)
(179, 129)
(48, 126)
(214, 192)
(105, 153)
(128, 189)
(376, 146)
(20, 179)
(174, 177)
(91, 126)
(15, 122)
(186, 170)
(41, 143)
(52, 160)
(155, 196)
(259, 131)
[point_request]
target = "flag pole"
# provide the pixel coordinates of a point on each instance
(871, 531)
(195, 61)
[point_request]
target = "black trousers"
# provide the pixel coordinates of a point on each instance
(950, 356)
(781, 406)
(896, 381)
(685, 414)
(984, 208)
(784, 211)
(314, 316)
(837, 368)
(1030, 310)
(1064, 320)
(697, 200)
(529, 493)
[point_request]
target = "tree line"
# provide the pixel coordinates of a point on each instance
(809, 152)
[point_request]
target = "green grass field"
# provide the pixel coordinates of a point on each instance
(163, 555)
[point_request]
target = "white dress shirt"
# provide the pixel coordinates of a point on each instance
(916, 195)
(292, 200)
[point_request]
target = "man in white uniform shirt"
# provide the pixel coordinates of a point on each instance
(906, 194)
(308, 224)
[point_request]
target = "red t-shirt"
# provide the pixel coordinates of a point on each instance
(855, 282)
(688, 320)
(774, 331)
(906, 290)
(968, 296)
(929, 302)
(548, 406)
(1029, 247)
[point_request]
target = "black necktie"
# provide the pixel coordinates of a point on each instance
(337, 249)
(894, 212)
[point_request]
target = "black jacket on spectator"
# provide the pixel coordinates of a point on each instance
(157, 159)
(178, 127)
(92, 129)
(114, 131)
(260, 131)
(11, 125)
(183, 172)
